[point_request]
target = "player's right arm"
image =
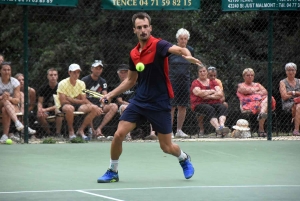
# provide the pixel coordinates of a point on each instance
(128, 83)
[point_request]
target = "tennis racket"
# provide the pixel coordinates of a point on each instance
(94, 94)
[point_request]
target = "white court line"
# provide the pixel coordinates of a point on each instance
(151, 188)
(110, 198)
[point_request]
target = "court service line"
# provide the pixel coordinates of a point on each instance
(150, 188)
(110, 198)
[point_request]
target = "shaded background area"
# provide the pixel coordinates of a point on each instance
(230, 41)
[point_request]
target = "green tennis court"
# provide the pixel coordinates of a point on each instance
(225, 170)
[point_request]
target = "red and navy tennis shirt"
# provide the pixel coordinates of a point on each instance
(154, 89)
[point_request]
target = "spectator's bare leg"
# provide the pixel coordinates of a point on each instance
(91, 111)
(297, 117)
(110, 111)
(264, 106)
(200, 123)
(43, 122)
(124, 127)
(222, 120)
(261, 124)
(11, 110)
(69, 115)
(172, 114)
(181, 116)
(58, 124)
(214, 122)
(22, 101)
(5, 121)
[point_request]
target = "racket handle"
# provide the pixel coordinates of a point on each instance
(105, 101)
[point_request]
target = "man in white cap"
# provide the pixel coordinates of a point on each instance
(72, 98)
(96, 83)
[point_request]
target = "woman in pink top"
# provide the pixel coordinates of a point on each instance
(253, 97)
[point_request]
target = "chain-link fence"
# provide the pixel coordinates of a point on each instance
(230, 41)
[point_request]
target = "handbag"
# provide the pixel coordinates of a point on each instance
(297, 100)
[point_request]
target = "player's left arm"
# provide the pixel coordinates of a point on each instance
(185, 53)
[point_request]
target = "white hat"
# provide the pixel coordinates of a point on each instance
(241, 125)
(97, 63)
(74, 67)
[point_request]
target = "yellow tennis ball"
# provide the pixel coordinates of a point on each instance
(9, 141)
(140, 66)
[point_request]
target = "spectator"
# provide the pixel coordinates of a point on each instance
(289, 89)
(206, 99)
(123, 99)
(9, 100)
(31, 101)
(212, 75)
(71, 98)
(46, 105)
(180, 80)
(1, 58)
(254, 97)
(96, 83)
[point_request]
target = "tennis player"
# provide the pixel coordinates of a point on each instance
(152, 98)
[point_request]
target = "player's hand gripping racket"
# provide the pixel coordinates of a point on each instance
(95, 95)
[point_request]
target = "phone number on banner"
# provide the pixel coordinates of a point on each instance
(151, 4)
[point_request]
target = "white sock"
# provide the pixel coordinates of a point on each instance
(114, 165)
(182, 156)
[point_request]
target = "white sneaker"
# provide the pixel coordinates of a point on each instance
(172, 135)
(110, 138)
(3, 138)
(14, 138)
(30, 131)
(181, 134)
(101, 137)
(19, 125)
(72, 137)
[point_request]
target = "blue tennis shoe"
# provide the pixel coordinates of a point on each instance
(187, 167)
(109, 177)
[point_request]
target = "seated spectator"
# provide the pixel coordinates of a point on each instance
(71, 98)
(31, 101)
(212, 75)
(254, 97)
(9, 100)
(289, 89)
(46, 105)
(95, 82)
(123, 99)
(205, 96)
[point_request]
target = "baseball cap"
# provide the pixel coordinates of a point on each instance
(123, 67)
(97, 63)
(74, 67)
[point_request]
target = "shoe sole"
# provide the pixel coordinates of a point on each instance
(108, 181)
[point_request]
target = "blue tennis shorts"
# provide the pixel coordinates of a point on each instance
(160, 120)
